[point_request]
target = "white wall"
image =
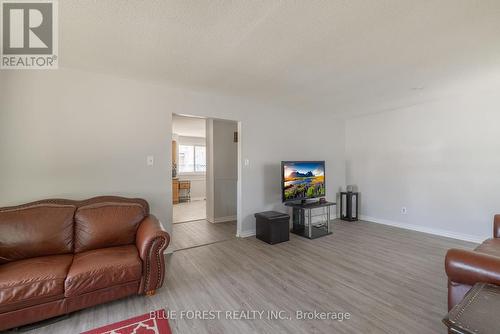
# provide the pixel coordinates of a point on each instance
(222, 170)
(67, 133)
(188, 126)
(72, 134)
(186, 140)
(441, 160)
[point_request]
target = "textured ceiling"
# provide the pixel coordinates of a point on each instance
(345, 57)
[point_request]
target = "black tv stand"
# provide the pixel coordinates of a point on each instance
(308, 225)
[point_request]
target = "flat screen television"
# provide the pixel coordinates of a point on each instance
(301, 180)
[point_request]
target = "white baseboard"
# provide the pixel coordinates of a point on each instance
(222, 219)
(429, 230)
(246, 234)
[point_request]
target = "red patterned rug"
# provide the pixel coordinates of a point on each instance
(149, 323)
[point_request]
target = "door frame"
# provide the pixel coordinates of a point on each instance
(239, 193)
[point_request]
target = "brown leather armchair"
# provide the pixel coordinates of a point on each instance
(59, 256)
(466, 268)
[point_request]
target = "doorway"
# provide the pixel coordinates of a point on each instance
(188, 169)
(205, 173)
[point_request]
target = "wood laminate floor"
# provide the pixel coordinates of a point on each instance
(390, 280)
(201, 232)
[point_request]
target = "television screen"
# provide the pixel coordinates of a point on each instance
(302, 180)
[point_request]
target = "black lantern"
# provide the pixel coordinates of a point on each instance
(349, 206)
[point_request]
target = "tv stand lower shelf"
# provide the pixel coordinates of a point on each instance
(311, 220)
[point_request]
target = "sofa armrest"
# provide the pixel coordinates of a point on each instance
(151, 241)
(469, 267)
(496, 226)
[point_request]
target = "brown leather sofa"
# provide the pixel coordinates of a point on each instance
(59, 256)
(466, 268)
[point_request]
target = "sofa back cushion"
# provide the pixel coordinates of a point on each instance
(107, 224)
(35, 230)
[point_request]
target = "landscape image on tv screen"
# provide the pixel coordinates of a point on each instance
(302, 180)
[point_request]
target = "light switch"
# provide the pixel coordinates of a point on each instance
(247, 162)
(150, 160)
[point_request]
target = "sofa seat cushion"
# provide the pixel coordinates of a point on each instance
(103, 268)
(32, 281)
(490, 247)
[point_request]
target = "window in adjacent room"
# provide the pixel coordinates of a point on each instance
(192, 159)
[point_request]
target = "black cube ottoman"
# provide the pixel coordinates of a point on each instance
(272, 227)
